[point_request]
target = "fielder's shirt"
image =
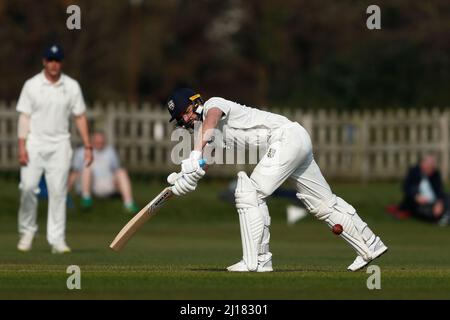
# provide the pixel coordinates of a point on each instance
(50, 106)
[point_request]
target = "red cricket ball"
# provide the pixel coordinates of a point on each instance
(337, 229)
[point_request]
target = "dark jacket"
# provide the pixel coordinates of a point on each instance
(411, 186)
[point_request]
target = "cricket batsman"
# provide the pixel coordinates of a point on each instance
(288, 155)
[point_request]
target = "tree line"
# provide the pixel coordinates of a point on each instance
(291, 53)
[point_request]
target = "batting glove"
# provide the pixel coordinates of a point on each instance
(191, 164)
(185, 183)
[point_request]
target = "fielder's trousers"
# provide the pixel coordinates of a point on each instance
(52, 160)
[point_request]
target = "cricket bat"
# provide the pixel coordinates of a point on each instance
(142, 216)
(139, 219)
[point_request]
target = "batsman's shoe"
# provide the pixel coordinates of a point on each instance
(25, 242)
(377, 247)
(241, 266)
(60, 248)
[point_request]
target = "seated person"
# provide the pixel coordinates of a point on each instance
(104, 178)
(424, 195)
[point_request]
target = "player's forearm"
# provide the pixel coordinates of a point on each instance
(204, 136)
(23, 126)
(23, 154)
(208, 127)
(22, 142)
(82, 126)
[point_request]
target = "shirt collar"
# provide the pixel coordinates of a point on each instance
(58, 83)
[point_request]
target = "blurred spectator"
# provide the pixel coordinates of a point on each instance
(424, 196)
(105, 178)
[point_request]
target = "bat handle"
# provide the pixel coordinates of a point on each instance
(202, 162)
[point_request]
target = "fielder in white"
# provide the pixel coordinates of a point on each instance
(289, 155)
(45, 105)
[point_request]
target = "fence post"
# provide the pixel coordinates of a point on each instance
(444, 145)
(363, 144)
(109, 122)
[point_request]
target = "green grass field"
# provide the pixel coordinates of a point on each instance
(182, 253)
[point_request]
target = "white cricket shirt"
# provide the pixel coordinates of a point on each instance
(244, 125)
(50, 106)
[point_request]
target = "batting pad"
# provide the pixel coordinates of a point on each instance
(337, 211)
(251, 220)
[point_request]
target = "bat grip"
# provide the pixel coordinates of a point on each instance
(202, 162)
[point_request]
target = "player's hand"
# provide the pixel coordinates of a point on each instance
(88, 157)
(191, 164)
(173, 177)
(176, 186)
(194, 177)
(23, 156)
(438, 209)
(421, 199)
(185, 183)
(182, 187)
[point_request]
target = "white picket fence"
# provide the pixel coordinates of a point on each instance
(360, 145)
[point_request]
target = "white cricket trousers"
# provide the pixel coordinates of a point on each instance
(290, 156)
(52, 160)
